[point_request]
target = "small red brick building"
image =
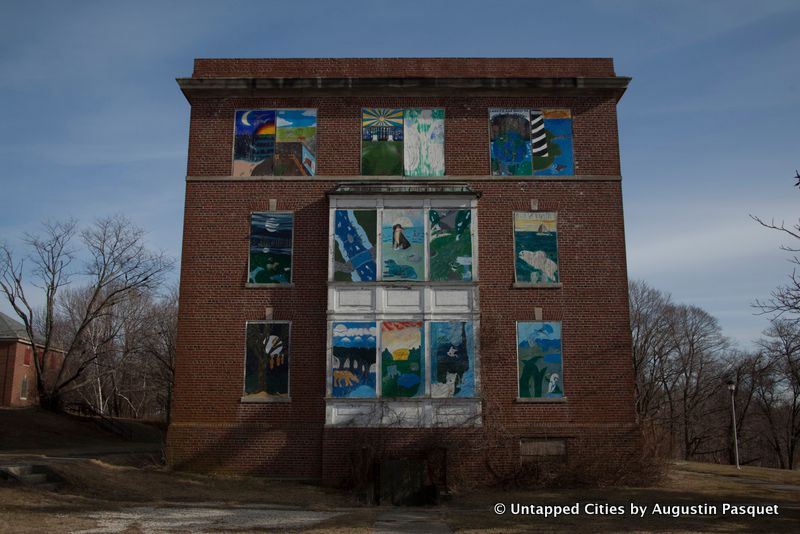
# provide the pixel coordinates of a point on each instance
(388, 257)
(18, 385)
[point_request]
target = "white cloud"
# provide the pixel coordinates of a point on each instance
(340, 330)
(284, 122)
(691, 250)
(310, 113)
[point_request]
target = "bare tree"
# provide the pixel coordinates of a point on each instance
(779, 390)
(785, 299)
(681, 360)
(118, 264)
(699, 347)
(652, 343)
(160, 345)
(133, 351)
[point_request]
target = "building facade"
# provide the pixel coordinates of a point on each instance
(388, 257)
(18, 382)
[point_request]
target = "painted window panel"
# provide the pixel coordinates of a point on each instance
(353, 347)
(536, 248)
(450, 247)
(552, 153)
(254, 142)
(402, 359)
(539, 360)
(278, 142)
(527, 142)
(403, 244)
(452, 359)
(271, 235)
(296, 142)
(267, 360)
(510, 142)
(423, 142)
(381, 142)
(355, 237)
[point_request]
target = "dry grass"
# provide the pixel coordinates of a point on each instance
(778, 476)
(686, 484)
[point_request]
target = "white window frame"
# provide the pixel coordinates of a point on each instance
(384, 300)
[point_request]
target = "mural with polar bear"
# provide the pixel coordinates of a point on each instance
(535, 248)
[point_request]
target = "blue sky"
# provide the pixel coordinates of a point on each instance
(92, 122)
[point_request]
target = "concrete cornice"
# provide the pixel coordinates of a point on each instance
(305, 87)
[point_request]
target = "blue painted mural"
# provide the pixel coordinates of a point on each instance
(354, 371)
(355, 233)
(452, 359)
(539, 357)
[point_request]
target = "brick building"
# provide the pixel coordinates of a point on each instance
(18, 385)
(388, 257)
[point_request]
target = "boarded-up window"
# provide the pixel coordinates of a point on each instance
(27, 358)
(525, 142)
(271, 234)
(402, 142)
(539, 359)
(23, 388)
(267, 361)
(531, 450)
(279, 142)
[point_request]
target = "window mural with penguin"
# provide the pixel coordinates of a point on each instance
(539, 359)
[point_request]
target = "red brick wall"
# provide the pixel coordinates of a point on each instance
(212, 430)
(403, 67)
(12, 369)
(466, 131)
(215, 305)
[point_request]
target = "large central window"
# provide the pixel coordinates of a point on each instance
(402, 310)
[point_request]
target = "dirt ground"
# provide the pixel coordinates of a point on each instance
(26, 429)
(129, 492)
(102, 497)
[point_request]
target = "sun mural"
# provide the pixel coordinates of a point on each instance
(382, 117)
